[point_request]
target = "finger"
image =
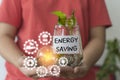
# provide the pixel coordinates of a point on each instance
(28, 72)
(67, 69)
(80, 71)
(81, 68)
(66, 72)
(21, 61)
(35, 77)
(77, 70)
(63, 75)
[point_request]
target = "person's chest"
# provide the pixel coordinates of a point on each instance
(37, 15)
(41, 10)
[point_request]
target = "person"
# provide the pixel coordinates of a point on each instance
(27, 18)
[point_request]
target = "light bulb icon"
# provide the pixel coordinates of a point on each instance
(63, 61)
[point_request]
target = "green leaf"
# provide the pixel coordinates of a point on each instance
(73, 18)
(66, 22)
(71, 21)
(61, 17)
(110, 63)
(59, 14)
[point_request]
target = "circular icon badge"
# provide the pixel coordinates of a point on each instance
(45, 38)
(54, 70)
(41, 71)
(30, 63)
(63, 61)
(30, 47)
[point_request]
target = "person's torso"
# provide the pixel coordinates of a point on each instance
(37, 17)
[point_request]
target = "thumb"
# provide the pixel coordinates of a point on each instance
(77, 69)
(28, 72)
(21, 61)
(67, 69)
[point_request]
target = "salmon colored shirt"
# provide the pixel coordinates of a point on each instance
(31, 17)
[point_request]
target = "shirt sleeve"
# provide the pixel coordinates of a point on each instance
(10, 12)
(98, 14)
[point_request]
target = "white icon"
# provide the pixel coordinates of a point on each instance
(54, 70)
(63, 61)
(30, 46)
(45, 38)
(30, 63)
(41, 71)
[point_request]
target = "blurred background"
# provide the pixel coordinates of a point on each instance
(112, 33)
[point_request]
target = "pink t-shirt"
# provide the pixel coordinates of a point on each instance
(31, 17)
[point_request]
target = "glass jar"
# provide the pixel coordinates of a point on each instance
(67, 43)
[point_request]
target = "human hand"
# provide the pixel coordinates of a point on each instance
(76, 72)
(26, 72)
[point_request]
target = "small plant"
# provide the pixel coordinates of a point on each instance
(110, 63)
(67, 22)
